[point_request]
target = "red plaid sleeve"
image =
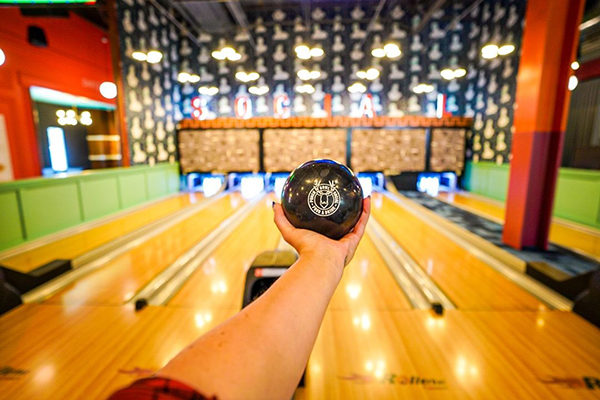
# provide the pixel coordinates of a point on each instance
(158, 389)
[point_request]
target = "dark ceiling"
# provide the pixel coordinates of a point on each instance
(224, 16)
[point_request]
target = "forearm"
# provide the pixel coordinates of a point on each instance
(262, 351)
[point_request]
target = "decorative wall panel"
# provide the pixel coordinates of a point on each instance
(389, 150)
(447, 151)
(285, 149)
(219, 150)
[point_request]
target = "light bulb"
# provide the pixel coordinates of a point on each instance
(234, 57)
(378, 52)
(447, 74)
(573, 82)
(218, 55)
(183, 77)
(506, 49)
(460, 72)
(489, 51)
(316, 52)
(228, 51)
(154, 56)
(108, 90)
(139, 56)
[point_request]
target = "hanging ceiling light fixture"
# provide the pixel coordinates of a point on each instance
(423, 88)
(389, 50)
(306, 75)
(184, 77)
(306, 88)
(259, 90)
(226, 53)
(450, 74)
(152, 56)
(208, 90)
(492, 50)
(246, 76)
(304, 52)
(357, 87)
(369, 74)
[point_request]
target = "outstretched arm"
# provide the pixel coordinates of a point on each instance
(260, 352)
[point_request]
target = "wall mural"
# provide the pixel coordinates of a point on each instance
(486, 93)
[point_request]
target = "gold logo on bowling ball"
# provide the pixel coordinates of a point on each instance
(324, 199)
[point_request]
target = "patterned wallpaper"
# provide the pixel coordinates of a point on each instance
(152, 93)
(486, 93)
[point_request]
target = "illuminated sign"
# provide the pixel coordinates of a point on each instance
(281, 106)
(243, 107)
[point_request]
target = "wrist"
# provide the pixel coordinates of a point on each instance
(330, 261)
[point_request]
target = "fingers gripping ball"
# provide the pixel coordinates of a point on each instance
(323, 196)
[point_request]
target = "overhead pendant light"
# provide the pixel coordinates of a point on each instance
(208, 90)
(108, 90)
(573, 82)
(574, 65)
(357, 87)
(304, 52)
(259, 90)
(450, 74)
(306, 75)
(492, 50)
(226, 53)
(2, 57)
(506, 49)
(390, 50)
(489, 51)
(139, 56)
(369, 74)
(154, 56)
(305, 88)
(423, 88)
(244, 76)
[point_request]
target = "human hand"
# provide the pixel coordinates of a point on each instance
(312, 244)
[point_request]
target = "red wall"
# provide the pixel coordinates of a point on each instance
(76, 61)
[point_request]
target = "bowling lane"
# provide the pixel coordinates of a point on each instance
(81, 242)
(582, 239)
(121, 278)
(219, 281)
(468, 282)
(87, 352)
(464, 355)
(368, 285)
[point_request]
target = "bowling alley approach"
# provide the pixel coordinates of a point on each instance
(299, 199)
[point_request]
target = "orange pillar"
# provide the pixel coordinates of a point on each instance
(549, 46)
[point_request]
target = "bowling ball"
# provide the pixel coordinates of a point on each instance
(323, 196)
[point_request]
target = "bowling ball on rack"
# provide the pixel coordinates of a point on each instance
(323, 196)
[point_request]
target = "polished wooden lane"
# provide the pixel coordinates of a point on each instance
(367, 284)
(466, 280)
(81, 242)
(89, 351)
(464, 355)
(219, 281)
(121, 278)
(583, 239)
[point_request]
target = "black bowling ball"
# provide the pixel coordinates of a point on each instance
(323, 196)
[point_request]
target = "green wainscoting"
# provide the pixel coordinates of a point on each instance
(32, 208)
(577, 192)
